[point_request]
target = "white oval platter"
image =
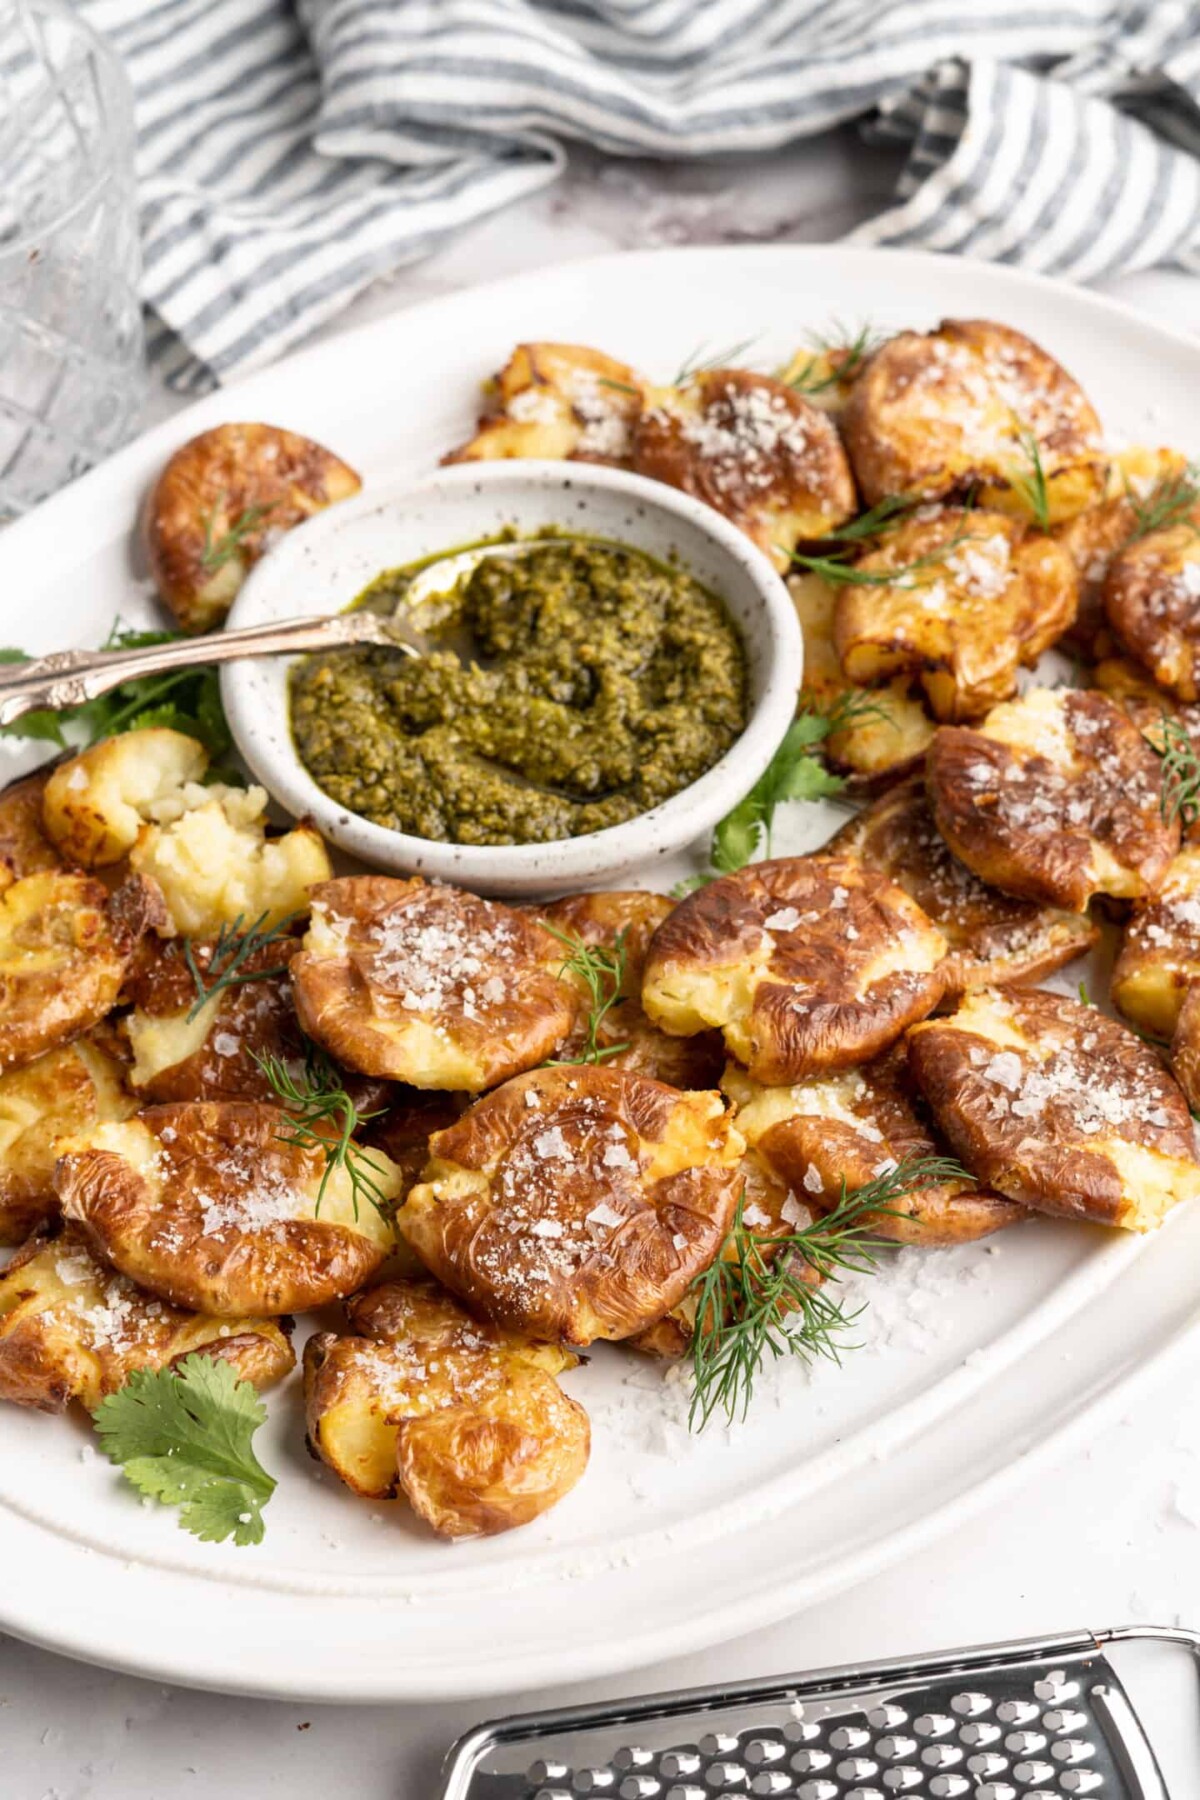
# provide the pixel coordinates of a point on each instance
(975, 1364)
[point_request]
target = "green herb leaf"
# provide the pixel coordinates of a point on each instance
(791, 774)
(1180, 772)
(761, 1298)
(703, 361)
(218, 551)
(185, 1437)
(323, 1116)
(1169, 502)
(602, 972)
(226, 966)
(851, 351)
(1030, 481)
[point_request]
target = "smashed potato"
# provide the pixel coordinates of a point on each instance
(97, 803)
(429, 985)
(222, 500)
(754, 450)
(852, 1127)
(1152, 599)
(464, 1420)
(933, 413)
(1058, 1106)
(804, 963)
(993, 938)
(65, 945)
(43, 1101)
(975, 599)
(25, 846)
(576, 1203)
(1185, 1048)
(1056, 797)
(73, 1329)
(1159, 958)
(215, 1206)
(625, 1037)
(558, 401)
(887, 730)
(1092, 538)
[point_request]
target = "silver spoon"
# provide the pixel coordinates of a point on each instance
(70, 677)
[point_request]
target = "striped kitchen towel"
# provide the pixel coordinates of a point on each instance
(292, 153)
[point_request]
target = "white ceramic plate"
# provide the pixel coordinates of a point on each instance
(975, 1363)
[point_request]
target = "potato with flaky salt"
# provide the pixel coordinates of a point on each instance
(804, 963)
(576, 1203)
(216, 1205)
(1152, 601)
(41, 1102)
(71, 1328)
(429, 985)
(1140, 482)
(1159, 958)
(25, 845)
(557, 401)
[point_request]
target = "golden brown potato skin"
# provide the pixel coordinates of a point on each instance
(428, 984)
(977, 598)
(994, 939)
(1150, 597)
(1092, 538)
(255, 477)
(754, 450)
(846, 1128)
(1159, 958)
(1058, 1106)
(73, 1329)
(625, 1035)
(65, 944)
(806, 963)
(576, 1203)
(43, 1101)
(1185, 1048)
(932, 413)
(1075, 811)
(558, 401)
(213, 1207)
(25, 848)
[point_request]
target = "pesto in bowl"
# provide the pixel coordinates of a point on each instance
(595, 682)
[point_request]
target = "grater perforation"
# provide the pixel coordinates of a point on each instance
(1042, 1720)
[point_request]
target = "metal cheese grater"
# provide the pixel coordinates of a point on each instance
(1042, 1719)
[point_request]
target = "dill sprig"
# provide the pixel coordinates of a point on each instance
(226, 967)
(602, 972)
(218, 551)
(1030, 482)
(702, 361)
(837, 568)
(1169, 502)
(842, 356)
(762, 1297)
(323, 1116)
(1180, 772)
(881, 518)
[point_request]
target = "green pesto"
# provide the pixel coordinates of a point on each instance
(596, 683)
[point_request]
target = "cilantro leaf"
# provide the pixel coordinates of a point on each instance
(791, 774)
(184, 1437)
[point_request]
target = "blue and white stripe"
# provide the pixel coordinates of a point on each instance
(291, 154)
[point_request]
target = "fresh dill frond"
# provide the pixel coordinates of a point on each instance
(839, 570)
(1169, 502)
(602, 972)
(621, 387)
(702, 361)
(226, 966)
(884, 516)
(217, 551)
(322, 1115)
(838, 358)
(762, 1298)
(1180, 772)
(1085, 998)
(1030, 481)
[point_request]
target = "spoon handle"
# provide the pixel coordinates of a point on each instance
(69, 677)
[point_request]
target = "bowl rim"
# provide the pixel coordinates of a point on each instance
(691, 811)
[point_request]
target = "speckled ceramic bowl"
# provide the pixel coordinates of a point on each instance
(323, 564)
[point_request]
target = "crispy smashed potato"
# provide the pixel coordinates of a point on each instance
(97, 803)
(888, 729)
(465, 1421)
(1056, 797)
(1152, 600)
(804, 963)
(1058, 1106)
(625, 1037)
(65, 1091)
(428, 984)
(1159, 958)
(1185, 1048)
(65, 945)
(557, 401)
(25, 846)
(753, 449)
(222, 500)
(852, 1127)
(1092, 538)
(994, 939)
(976, 598)
(933, 413)
(73, 1329)
(577, 1203)
(214, 1206)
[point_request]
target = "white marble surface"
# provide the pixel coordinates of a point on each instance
(1109, 1535)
